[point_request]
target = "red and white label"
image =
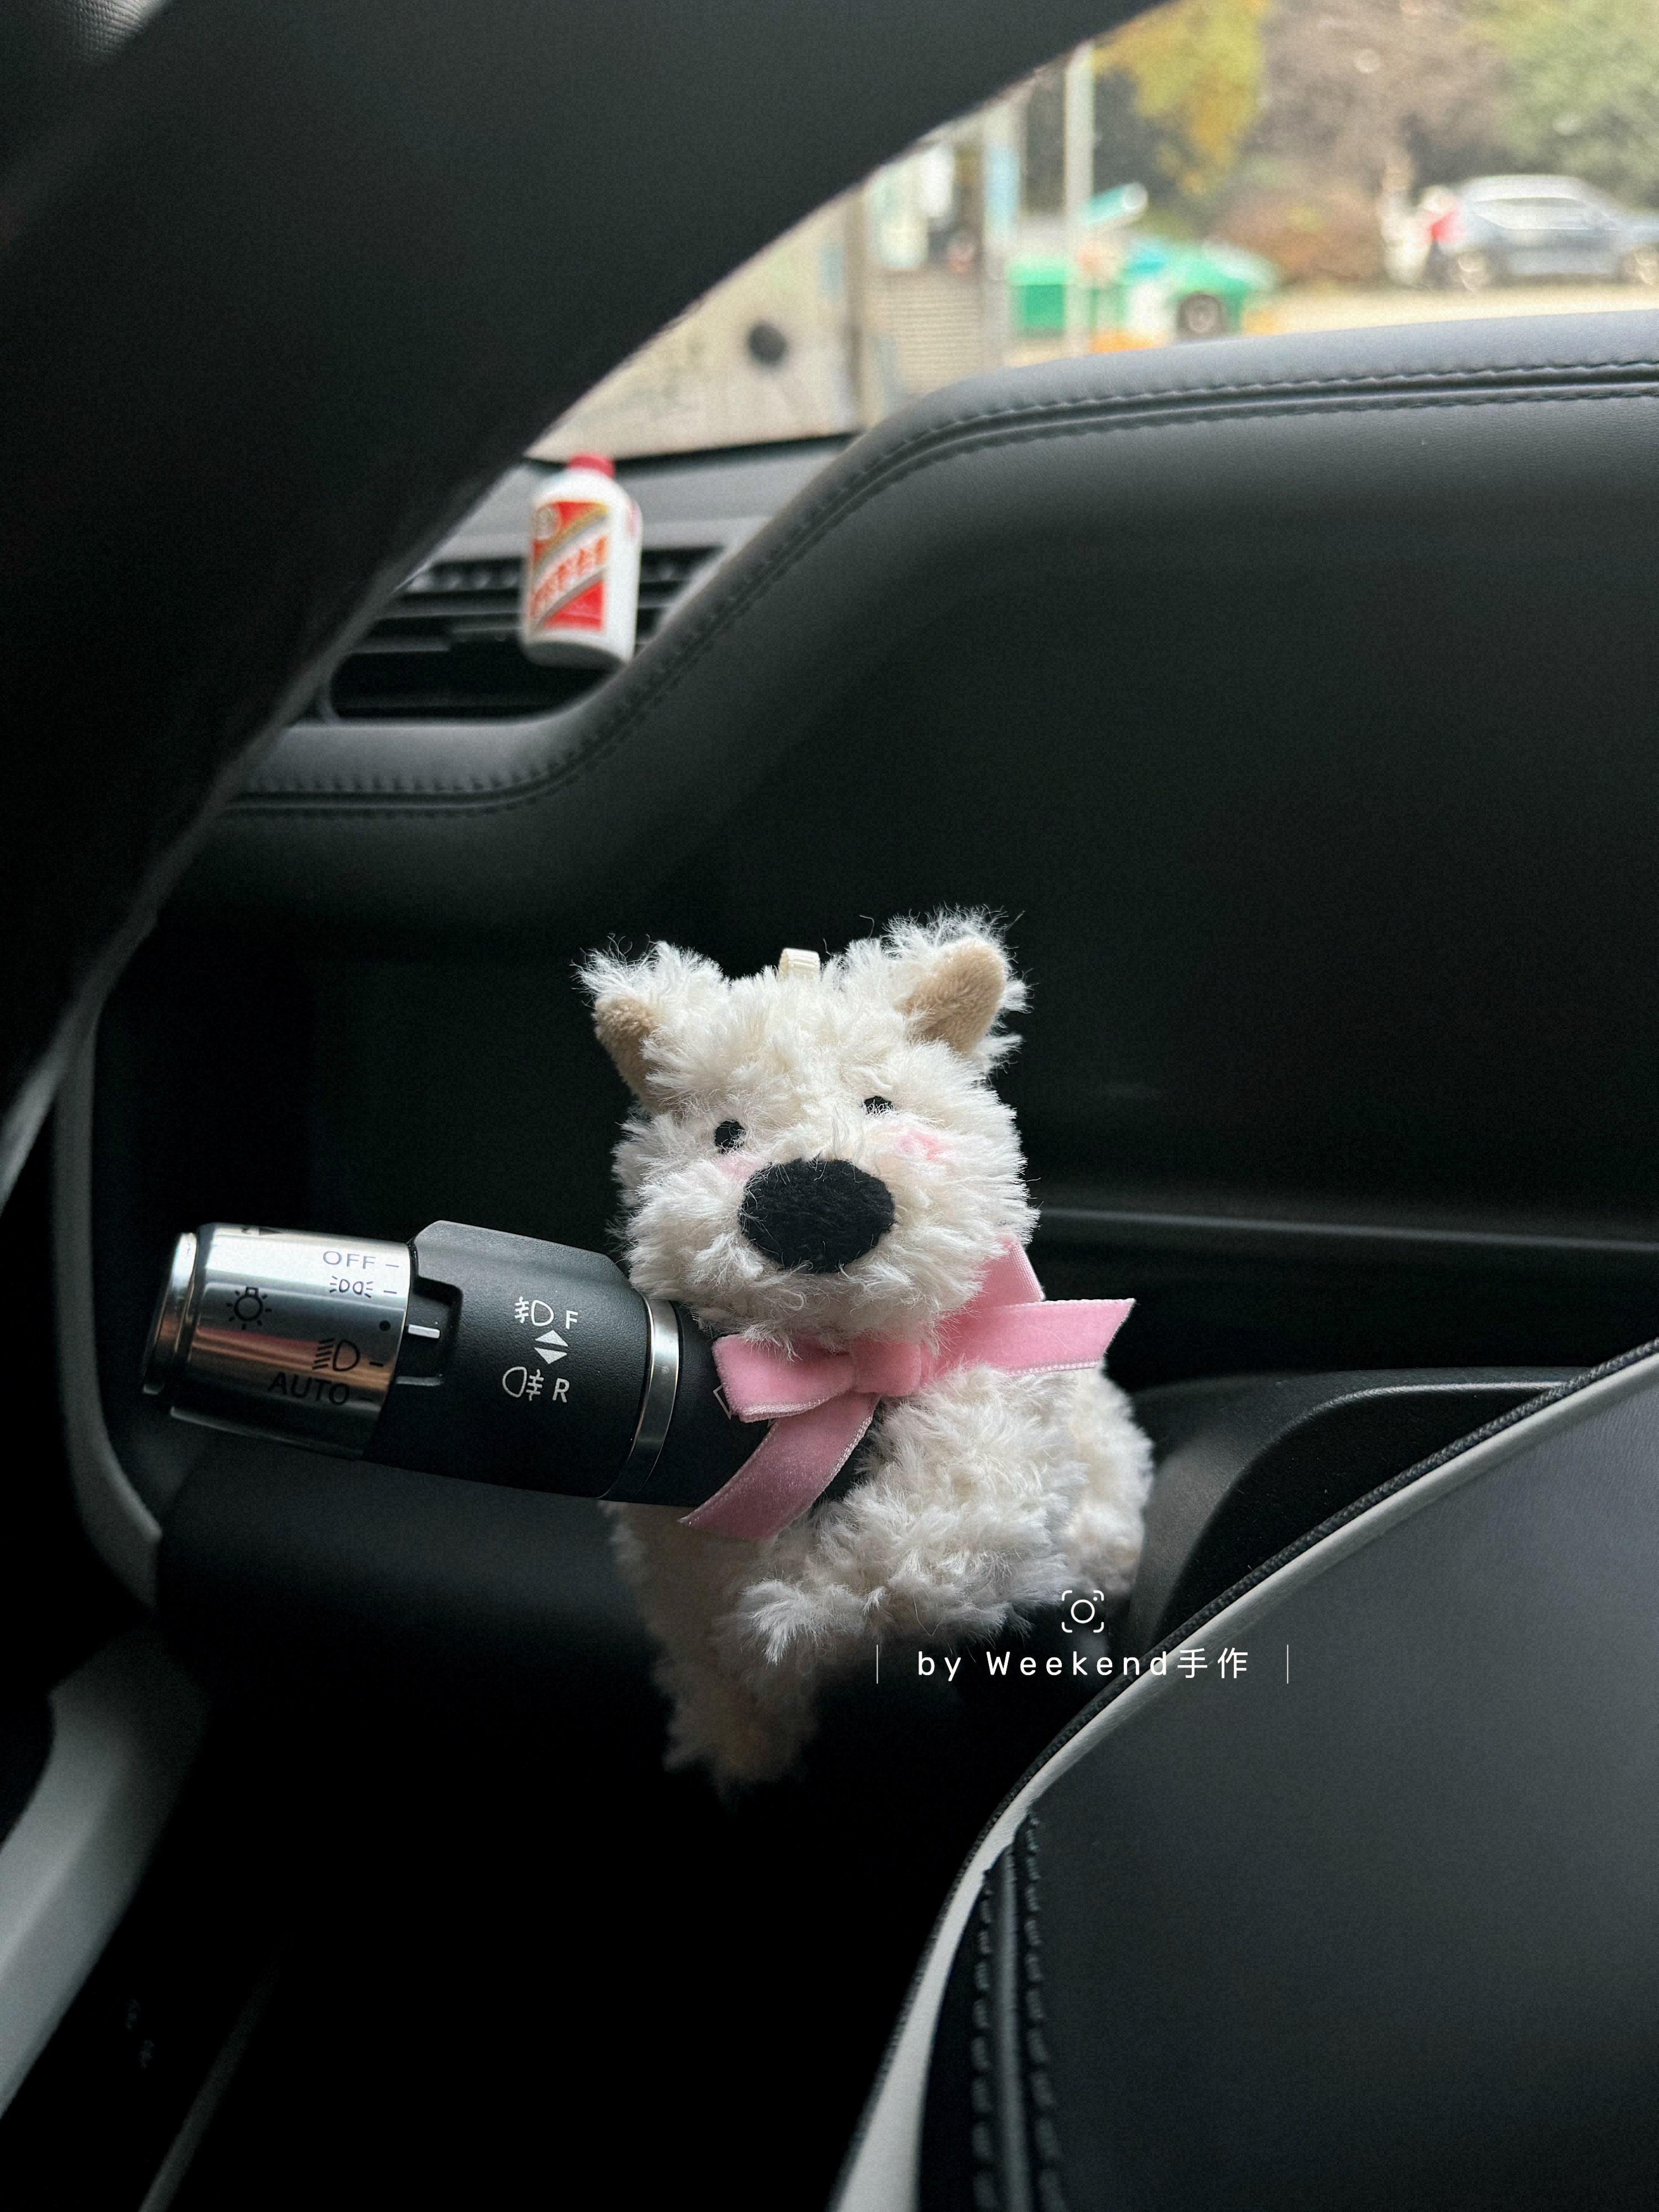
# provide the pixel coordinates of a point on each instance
(570, 548)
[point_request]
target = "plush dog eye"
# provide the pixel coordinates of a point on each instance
(878, 1105)
(728, 1136)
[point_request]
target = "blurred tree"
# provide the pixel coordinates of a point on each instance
(1191, 73)
(1583, 89)
(1383, 93)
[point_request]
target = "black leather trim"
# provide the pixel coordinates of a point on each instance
(363, 763)
(1434, 1937)
(1480, 433)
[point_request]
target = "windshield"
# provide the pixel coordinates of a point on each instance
(1214, 168)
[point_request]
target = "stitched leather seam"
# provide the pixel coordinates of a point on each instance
(945, 441)
(1269, 387)
(972, 435)
(981, 2082)
(1047, 2148)
(1041, 2100)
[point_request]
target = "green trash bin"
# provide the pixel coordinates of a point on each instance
(1164, 288)
(1036, 288)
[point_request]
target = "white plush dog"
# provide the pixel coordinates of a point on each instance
(822, 1172)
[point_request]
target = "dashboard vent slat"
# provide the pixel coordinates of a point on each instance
(446, 648)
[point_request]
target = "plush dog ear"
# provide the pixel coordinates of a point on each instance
(640, 1007)
(961, 993)
(624, 1024)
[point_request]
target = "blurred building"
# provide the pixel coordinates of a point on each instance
(900, 286)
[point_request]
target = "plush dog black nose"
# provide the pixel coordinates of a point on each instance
(815, 1214)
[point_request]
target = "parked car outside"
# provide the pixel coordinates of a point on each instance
(1153, 289)
(1175, 288)
(1496, 230)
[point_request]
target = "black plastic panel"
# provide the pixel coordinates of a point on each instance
(317, 1584)
(25, 1747)
(1247, 1464)
(169, 2004)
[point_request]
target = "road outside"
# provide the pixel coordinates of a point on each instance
(1339, 308)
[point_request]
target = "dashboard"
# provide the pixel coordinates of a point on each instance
(446, 648)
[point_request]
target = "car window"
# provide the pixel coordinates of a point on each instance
(1214, 168)
(1557, 212)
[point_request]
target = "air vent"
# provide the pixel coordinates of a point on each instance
(448, 646)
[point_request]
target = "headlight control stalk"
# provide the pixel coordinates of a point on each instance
(469, 1352)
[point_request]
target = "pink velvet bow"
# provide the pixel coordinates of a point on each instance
(820, 1403)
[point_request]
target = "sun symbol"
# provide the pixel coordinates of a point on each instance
(247, 1308)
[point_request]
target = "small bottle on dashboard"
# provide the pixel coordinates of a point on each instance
(582, 582)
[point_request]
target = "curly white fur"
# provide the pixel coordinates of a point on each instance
(985, 1494)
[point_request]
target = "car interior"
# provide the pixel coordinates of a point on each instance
(1290, 700)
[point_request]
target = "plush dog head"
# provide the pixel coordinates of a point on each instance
(818, 1153)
